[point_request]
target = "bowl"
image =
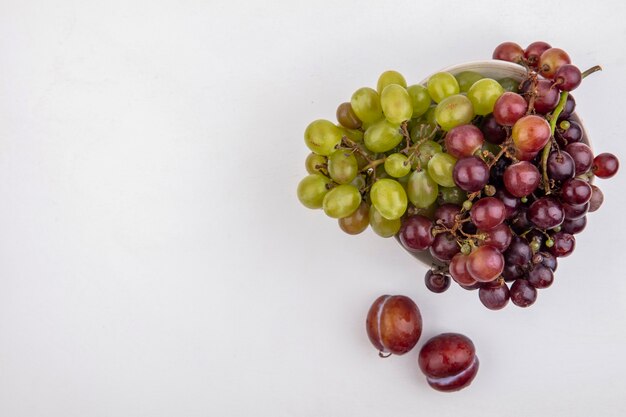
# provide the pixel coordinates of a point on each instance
(491, 69)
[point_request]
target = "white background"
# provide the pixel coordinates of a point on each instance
(154, 260)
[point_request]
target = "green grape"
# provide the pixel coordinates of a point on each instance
(352, 134)
(358, 221)
(389, 198)
(427, 150)
(423, 130)
(321, 136)
(397, 165)
(316, 164)
(380, 172)
(430, 115)
(421, 189)
(341, 201)
(442, 85)
(361, 161)
(440, 169)
(396, 103)
(359, 182)
(312, 190)
(466, 79)
(342, 166)
(365, 103)
(509, 84)
(454, 111)
(453, 195)
(420, 99)
(381, 226)
(382, 136)
(388, 78)
(483, 95)
(404, 180)
(428, 211)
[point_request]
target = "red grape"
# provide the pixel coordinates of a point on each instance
(582, 156)
(444, 246)
(511, 203)
(416, 233)
(568, 110)
(508, 51)
(521, 178)
(531, 133)
(494, 295)
(560, 166)
(512, 272)
(575, 191)
(574, 226)
(540, 276)
(605, 165)
(485, 263)
(573, 133)
(518, 253)
(458, 270)
(346, 116)
(573, 212)
(470, 173)
(509, 108)
(564, 244)
(487, 213)
(446, 214)
(546, 213)
(533, 53)
(550, 61)
(547, 97)
(492, 131)
(436, 282)
(463, 141)
(522, 293)
(567, 77)
(499, 237)
(597, 198)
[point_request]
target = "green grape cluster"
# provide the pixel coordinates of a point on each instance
(384, 158)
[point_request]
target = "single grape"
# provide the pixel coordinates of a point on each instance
(396, 104)
(454, 111)
(436, 282)
(341, 201)
(342, 166)
(568, 110)
(574, 226)
(485, 263)
(397, 165)
(357, 222)
(494, 295)
(420, 99)
(470, 174)
(312, 190)
(573, 133)
(444, 247)
(416, 233)
(548, 260)
(316, 164)
(564, 244)
(483, 94)
(466, 79)
(512, 272)
(582, 156)
(533, 53)
(446, 214)
(508, 51)
(521, 178)
(492, 131)
(605, 165)
(546, 213)
(442, 85)
(453, 195)
(321, 137)
(423, 130)
(520, 223)
(575, 191)
(509, 84)
(540, 276)
(560, 166)
(464, 140)
(421, 189)
(389, 78)
(531, 133)
(518, 253)
(381, 226)
(346, 116)
(574, 212)
(426, 151)
(440, 169)
(499, 237)
(550, 61)
(509, 108)
(487, 213)
(458, 270)
(597, 198)
(567, 77)
(382, 136)
(352, 134)
(389, 198)
(547, 97)
(366, 105)
(522, 293)
(428, 212)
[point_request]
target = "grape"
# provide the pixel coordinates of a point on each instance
(440, 169)
(366, 105)
(454, 111)
(550, 61)
(341, 201)
(509, 84)
(494, 295)
(483, 95)
(388, 78)
(464, 140)
(567, 77)
(518, 253)
(521, 178)
(605, 165)
(397, 165)
(446, 214)
(573, 133)
(511, 203)
(420, 99)
(389, 198)
(487, 213)
(597, 198)
(381, 226)
(508, 51)
(574, 226)
(436, 282)
(342, 166)
(421, 189)
(416, 233)
(531, 133)
(540, 276)
(427, 150)
(512, 272)
(466, 79)
(546, 213)
(321, 137)
(522, 293)
(499, 237)
(442, 85)
(346, 116)
(573, 212)
(564, 244)
(458, 270)
(492, 131)
(575, 192)
(453, 195)
(509, 108)
(568, 110)
(352, 134)
(312, 190)
(547, 97)
(315, 164)
(357, 222)
(396, 103)
(423, 130)
(520, 222)
(470, 174)
(560, 166)
(582, 156)
(444, 247)
(533, 53)
(382, 136)
(548, 260)
(485, 264)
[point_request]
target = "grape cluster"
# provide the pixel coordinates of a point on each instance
(492, 177)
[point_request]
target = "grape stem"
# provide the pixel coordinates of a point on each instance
(591, 70)
(534, 80)
(546, 150)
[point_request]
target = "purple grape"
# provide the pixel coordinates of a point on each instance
(546, 213)
(522, 293)
(560, 166)
(494, 295)
(540, 276)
